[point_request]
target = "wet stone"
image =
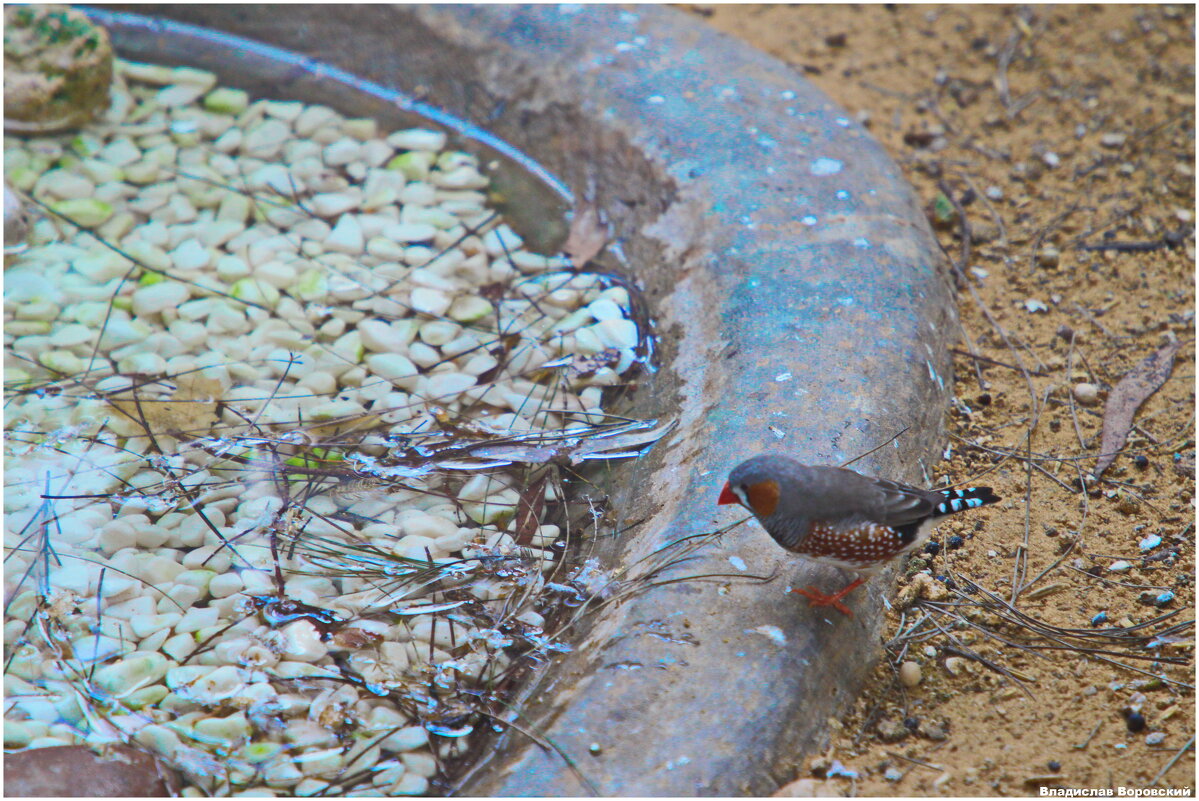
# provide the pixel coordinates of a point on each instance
(65, 771)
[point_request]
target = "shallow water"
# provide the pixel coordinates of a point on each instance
(277, 502)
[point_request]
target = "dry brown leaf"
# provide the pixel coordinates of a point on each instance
(587, 236)
(1127, 396)
(191, 409)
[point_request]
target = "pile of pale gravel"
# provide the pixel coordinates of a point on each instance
(231, 384)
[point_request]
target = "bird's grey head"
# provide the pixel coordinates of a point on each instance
(769, 467)
(755, 482)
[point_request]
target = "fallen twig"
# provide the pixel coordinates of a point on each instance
(1165, 768)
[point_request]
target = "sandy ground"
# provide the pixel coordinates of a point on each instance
(1054, 148)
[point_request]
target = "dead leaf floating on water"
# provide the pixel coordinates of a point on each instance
(529, 509)
(190, 408)
(1127, 396)
(587, 236)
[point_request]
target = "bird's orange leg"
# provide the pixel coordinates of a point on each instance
(817, 598)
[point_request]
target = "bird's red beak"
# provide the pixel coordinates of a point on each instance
(726, 496)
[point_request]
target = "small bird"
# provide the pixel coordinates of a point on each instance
(837, 517)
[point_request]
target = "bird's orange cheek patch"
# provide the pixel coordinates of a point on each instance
(763, 497)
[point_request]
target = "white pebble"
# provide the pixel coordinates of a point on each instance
(197, 618)
(420, 763)
(527, 262)
(230, 141)
(420, 211)
(414, 522)
(501, 240)
(190, 256)
(605, 309)
(227, 731)
(231, 268)
(312, 118)
(479, 363)
(909, 674)
(179, 647)
(342, 152)
(616, 333)
(300, 641)
(587, 342)
(478, 487)
(254, 291)
(159, 739)
(376, 152)
(216, 558)
(145, 625)
(410, 784)
(65, 184)
(463, 177)
(336, 409)
(131, 673)
(276, 273)
(319, 382)
(333, 204)
(383, 337)
(439, 332)
(469, 308)
(431, 629)
(410, 232)
(417, 139)
(117, 535)
(265, 139)
(383, 248)
(1086, 394)
(150, 536)
(225, 584)
(346, 236)
(416, 548)
(444, 387)
(70, 335)
(143, 364)
(181, 595)
(77, 576)
(179, 95)
(430, 301)
(394, 367)
(327, 762)
(155, 298)
(234, 207)
(120, 152)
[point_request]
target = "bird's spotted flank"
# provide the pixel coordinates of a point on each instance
(855, 547)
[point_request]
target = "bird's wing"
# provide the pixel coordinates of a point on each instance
(848, 497)
(898, 505)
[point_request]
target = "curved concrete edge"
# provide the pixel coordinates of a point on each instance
(789, 246)
(800, 309)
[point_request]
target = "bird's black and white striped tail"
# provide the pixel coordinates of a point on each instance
(957, 500)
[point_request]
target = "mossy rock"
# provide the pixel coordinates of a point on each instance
(58, 68)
